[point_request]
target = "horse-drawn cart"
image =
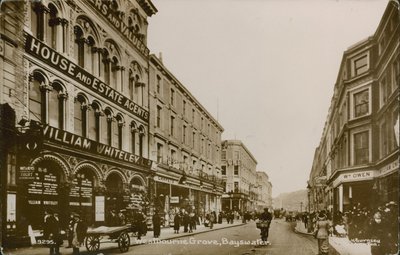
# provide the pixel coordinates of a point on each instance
(118, 235)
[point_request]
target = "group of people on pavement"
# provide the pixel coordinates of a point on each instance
(186, 219)
(52, 237)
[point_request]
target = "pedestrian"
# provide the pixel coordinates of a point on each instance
(192, 222)
(70, 230)
(177, 220)
(156, 224)
(141, 224)
(52, 232)
(211, 218)
(186, 222)
(322, 233)
(121, 218)
(79, 233)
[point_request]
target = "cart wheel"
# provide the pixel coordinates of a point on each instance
(124, 242)
(92, 243)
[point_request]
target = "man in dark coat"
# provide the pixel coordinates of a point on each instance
(79, 233)
(51, 232)
(156, 224)
(141, 224)
(177, 221)
(186, 222)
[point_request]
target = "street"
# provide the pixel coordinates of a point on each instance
(236, 240)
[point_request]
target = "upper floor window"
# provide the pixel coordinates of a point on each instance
(361, 147)
(159, 152)
(361, 103)
(223, 170)
(184, 108)
(133, 137)
(80, 117)
(384, 143)
(385, 90)
(94, 122)
(360, 65)
(223, 155)
(193, 115)
(184, 134)
(172, 125)
(193, 139)
(396, 74)
(79, 49)
(158, 116)
(56, 107)
(172, 99)
(382, 44)
(141, 140)
(158, 85)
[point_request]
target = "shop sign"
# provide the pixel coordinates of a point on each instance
(77, 142)
(355, 176)
(389, 168)
(39, 50)
(174, 200)
(165, 180)
(120, 25)
(99, 208)
(27, 173)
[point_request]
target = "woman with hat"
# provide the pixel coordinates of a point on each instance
(322, 233)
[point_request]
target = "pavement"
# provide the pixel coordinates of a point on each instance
(339, 245)
(166, 234)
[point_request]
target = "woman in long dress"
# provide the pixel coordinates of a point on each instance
(322, 234)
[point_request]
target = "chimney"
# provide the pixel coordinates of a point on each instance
(160, 56)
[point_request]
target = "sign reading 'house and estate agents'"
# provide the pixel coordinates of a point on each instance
(81, 143)
(41, 51)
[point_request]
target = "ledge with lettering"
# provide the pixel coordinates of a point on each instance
(86, 145)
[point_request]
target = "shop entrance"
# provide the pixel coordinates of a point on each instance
(114, 194)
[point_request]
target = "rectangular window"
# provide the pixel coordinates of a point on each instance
(159, 152)
(361, 148)
(158, 84)
(236, 170)
(384, 148)
(184, 134)
(201, 123)
(184, 108)
(237, 155)
(236, 187)
(193, 113)
(172, 100)
(173, 156)
(385, 91)
(223, 170)
(172, 125)
(360, 65)
(361, 103)
(223, 155)
(158, 117)
(193, 139)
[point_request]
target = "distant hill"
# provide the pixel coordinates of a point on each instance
(291, 201)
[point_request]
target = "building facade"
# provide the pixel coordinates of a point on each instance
(75, 74)
(185, 141)
(357, 161)
(264, 191)
(238, 170)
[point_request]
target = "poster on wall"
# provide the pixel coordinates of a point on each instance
(99, 215)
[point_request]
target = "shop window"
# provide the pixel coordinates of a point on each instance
(56, 103)
(361, 148)
(94, 122)
(361, 103)
(158, 116)
(80, 111)
(223, 170)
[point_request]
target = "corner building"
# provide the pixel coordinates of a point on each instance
(80, 96)
(185, 141)
(357, 161)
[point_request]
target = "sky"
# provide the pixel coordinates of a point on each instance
(264, 68)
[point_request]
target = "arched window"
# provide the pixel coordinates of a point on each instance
(38, 13)
(117, 132)
(79, 49)
(53, 29)
(133, 137)
(91, 56)
(141, 140)
(107, 127)
(106, 67)
(94, 122)
(80, 116)
(37, 98)
(56, 102)
(115, 74)
(131, 85)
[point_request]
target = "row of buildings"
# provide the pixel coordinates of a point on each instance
(357, 160)
(92, 122)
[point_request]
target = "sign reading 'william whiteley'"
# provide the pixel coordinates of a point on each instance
(77, 142)
(41, 51)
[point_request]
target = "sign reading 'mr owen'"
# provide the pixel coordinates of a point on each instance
(41, 51)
